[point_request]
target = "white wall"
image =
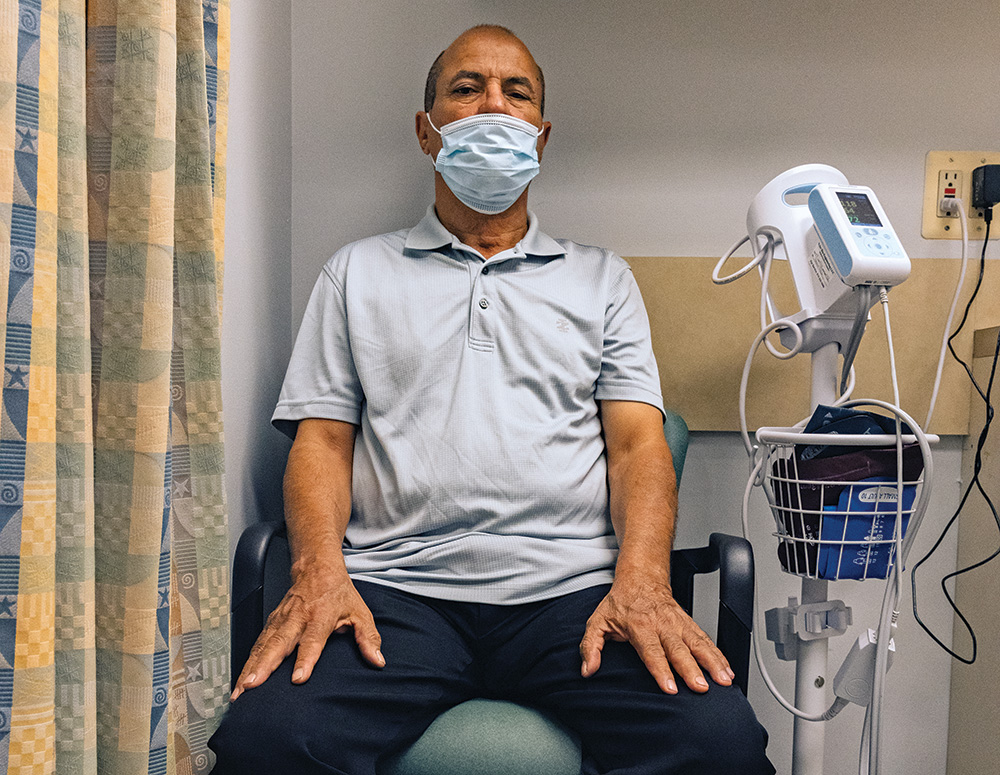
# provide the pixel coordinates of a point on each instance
(256, 314)
(668, 117)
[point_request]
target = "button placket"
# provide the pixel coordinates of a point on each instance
(480, 325)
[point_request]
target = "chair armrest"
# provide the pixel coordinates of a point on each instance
(248, 589)
(736, 588)
(732, 556)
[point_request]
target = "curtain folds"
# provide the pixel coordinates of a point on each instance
(113, 538)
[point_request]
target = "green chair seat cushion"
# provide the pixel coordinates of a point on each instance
(490, 737)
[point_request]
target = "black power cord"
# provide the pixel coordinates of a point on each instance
(977, 468)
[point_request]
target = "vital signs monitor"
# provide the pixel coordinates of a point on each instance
(855, 234)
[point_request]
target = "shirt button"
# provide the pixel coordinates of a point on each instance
(483, 304)
(486, 270)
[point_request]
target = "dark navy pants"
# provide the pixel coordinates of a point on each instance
(440, 653)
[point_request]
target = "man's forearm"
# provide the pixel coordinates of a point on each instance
(317, 490)
(640, 607)
(643, 498)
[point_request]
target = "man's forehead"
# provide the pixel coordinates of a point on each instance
(481, 50)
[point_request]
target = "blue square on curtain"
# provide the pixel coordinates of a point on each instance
(26, 103)
(23, 217)
(12, 453)
(10, 572)
(17, 348)
(29, 26)
(9, 510)
(15, 410)
(6, 684)
(211, 41)
(25, 189)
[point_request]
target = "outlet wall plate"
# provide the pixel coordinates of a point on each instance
(935, 226)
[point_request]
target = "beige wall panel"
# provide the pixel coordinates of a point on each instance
(973, 745)
(702, 333)
(988, 306)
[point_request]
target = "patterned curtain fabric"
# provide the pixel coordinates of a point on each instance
(113, 545)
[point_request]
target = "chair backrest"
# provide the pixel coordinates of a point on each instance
(676, 432)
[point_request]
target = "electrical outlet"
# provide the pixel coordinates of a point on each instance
(946, 170)
(949, 184)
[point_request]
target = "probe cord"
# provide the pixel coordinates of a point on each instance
(890, 599)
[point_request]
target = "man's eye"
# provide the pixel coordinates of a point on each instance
(464, 90)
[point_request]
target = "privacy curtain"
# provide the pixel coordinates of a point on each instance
(113, 545)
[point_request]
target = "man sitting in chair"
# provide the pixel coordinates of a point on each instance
(479, 490)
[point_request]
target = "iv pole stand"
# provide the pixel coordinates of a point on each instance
(811, 662)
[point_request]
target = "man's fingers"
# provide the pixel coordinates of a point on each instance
(652, 654)
(310, 647)
(304, 620)
(685, 664)
(709, 657)
(369, 642)
(590, 649)
(274, 644)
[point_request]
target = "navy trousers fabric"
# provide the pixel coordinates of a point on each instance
(440, 653)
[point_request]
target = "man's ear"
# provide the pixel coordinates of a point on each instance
(424, 130)
(543, 138)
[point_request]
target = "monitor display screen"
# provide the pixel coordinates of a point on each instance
(858, 208)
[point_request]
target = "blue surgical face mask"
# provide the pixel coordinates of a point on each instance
(488, 159)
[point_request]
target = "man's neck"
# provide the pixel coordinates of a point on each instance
(488, 234)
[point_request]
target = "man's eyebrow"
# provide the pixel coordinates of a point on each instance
(472, 74)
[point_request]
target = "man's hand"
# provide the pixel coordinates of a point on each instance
(643, 612)
(318, 605)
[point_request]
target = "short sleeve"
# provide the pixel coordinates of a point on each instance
(628, 365)
(321, 381)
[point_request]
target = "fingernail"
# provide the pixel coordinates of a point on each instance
(297, 675)
(380, 658)
(250, 679)
(730, 673)
(671, 686)
(235, 694)
(699, 681)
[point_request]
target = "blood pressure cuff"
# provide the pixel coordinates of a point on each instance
(835, 419)
(814, 477)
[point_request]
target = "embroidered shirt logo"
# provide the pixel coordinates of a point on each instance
(562, 325)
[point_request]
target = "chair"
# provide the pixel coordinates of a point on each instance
(492, 737)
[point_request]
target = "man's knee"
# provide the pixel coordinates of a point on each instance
(258, 736)
(726, 736)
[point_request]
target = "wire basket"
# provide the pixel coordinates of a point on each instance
(835, 500)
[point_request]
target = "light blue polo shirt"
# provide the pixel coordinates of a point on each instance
(479, 466)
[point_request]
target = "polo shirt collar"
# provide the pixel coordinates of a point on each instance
(430, 234)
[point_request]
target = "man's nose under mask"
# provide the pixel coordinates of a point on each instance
(487, 160)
